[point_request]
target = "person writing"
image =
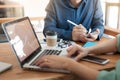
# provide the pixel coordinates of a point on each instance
(84, 72)
(87, 14)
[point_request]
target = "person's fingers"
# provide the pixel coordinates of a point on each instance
(83, 28)
(96, 32)
(42, 60)
(69, 48)
(78, 26)
(76, 32)
(74, 36)
(80, 30)
(77, 52)
(93, 36)
(72, 50)
(39, 61)
(90, 38)
(83, 38)
(45, 64)
(78, 57)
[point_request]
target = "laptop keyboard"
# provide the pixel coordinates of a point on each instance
(47, 52)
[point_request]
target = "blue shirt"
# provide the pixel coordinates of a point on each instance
(89, 14)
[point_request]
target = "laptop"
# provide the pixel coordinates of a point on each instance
(25, 44)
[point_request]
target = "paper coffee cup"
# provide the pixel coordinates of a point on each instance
(51, 38)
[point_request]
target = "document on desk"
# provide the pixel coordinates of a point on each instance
(4, 66)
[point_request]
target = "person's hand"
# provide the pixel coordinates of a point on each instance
(53, 61)
(93, 36)
(77, 51)
(89, 37)
(77, 31)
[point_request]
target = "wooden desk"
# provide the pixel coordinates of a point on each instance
(113, 59)
(16, 73)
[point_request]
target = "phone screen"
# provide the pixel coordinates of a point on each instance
(95, 59)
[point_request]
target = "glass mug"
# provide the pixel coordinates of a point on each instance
(51, 38)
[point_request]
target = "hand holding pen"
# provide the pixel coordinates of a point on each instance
(79, 33)
(72, 23)
(93, 35)
(80, 26)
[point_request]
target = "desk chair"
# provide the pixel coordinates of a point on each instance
(3, 38)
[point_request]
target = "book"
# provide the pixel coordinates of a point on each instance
(89, 44)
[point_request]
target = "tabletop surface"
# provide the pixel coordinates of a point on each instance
(16, 73)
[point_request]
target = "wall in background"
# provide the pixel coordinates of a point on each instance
(34, 8)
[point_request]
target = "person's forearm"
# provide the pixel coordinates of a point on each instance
(82, 71)
(104, 47)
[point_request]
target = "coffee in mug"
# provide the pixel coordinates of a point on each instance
(51, 38)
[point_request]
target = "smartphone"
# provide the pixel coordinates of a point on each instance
(95, 59)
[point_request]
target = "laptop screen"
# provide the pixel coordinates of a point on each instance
(22, 38)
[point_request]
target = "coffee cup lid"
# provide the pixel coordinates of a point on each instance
(51, 33)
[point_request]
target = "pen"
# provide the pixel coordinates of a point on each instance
(89, 32)
(75, 24)
(72, 23)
